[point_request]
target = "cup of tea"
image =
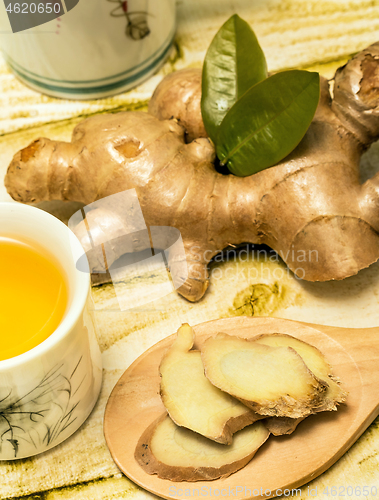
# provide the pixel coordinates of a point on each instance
(50, 362)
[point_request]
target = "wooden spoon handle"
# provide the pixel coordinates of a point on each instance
(361, 343)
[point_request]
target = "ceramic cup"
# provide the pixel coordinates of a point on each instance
(94, 49)
(46, 393)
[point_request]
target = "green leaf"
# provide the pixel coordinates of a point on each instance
(234, 62)
(268, 122)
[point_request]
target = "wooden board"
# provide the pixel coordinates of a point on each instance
(283, 462)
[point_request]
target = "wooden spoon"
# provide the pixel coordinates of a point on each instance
(283, 462)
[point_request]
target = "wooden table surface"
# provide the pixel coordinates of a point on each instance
(312, 34)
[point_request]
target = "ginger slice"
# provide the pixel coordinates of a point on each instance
(179, 454)
(278, 426)
(272, 381)
(316, 362)
(192, 401)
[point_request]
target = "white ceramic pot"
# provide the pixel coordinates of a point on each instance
(96, 49)
(47, 392)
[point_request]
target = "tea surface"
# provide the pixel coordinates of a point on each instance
(33, 297)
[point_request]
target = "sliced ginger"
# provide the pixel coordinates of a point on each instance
(179, 454)
(275, 375)
(192, 401)
(272, 381)
(277, 426)
(316, 362)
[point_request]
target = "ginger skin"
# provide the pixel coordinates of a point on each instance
(178, 96)
(310, 208)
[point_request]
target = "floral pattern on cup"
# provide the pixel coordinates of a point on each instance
(137, 26)
(39, 417)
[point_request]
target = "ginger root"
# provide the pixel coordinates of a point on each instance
(178, 96)
(310, 208)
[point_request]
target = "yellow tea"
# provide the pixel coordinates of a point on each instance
(33, 296)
